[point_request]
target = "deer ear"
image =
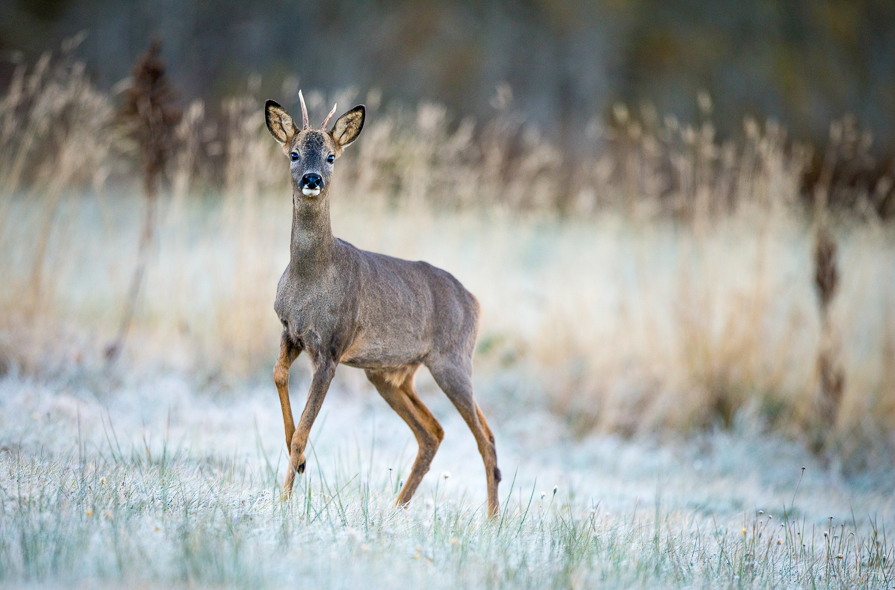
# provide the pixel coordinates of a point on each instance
(348, 126)
(278, 122)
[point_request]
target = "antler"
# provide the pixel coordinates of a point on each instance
(304, 112)
(326, 120)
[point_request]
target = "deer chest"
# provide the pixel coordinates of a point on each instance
(312, 313)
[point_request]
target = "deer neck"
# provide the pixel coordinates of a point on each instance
(313, 245)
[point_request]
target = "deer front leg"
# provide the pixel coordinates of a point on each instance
(323, 376)
(288, 353)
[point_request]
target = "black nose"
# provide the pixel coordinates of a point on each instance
(311, 181)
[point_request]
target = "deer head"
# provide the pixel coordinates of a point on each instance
(312, 152)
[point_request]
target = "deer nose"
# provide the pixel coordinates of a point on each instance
(311, 181)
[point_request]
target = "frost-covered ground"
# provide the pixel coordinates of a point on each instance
(159, 482)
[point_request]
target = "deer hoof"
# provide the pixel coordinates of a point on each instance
(297, 460)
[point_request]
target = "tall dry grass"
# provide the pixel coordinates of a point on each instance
(55, 132)
(670, 289)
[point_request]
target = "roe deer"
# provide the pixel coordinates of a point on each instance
(362, 309)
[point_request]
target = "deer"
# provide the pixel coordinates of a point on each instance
(388, 316)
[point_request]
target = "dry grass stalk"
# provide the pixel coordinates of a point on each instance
(53, 134)
(150, 112)
(831, 374)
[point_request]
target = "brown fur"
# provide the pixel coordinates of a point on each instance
(385, 315)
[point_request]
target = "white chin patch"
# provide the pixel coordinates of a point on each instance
(310, 192)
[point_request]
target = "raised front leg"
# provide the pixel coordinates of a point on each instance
(288, 353)
(323, 376)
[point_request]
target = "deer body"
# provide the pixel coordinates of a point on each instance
(373, 311)
(388, 316)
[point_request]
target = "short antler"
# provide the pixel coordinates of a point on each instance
(304, 112)
(328, 117)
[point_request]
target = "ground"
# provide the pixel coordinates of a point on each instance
(162, 483)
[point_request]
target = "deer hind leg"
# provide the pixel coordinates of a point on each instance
(396, 388)
(288, 353)
(455, 379)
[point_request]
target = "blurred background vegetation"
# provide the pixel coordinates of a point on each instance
(675, 219)
(801, 62)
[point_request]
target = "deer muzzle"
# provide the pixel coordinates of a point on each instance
(311, 184)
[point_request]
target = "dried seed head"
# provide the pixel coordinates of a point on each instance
(705, 102)
(620, 112)
(150, 111)
(826, 273)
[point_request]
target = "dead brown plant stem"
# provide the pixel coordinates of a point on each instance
(150, 111)
(830, 372)
(35, 281)
(133, 292)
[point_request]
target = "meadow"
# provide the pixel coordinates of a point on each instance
(648, 356)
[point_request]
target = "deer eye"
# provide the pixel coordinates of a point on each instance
(294, 156)
(331, 158)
